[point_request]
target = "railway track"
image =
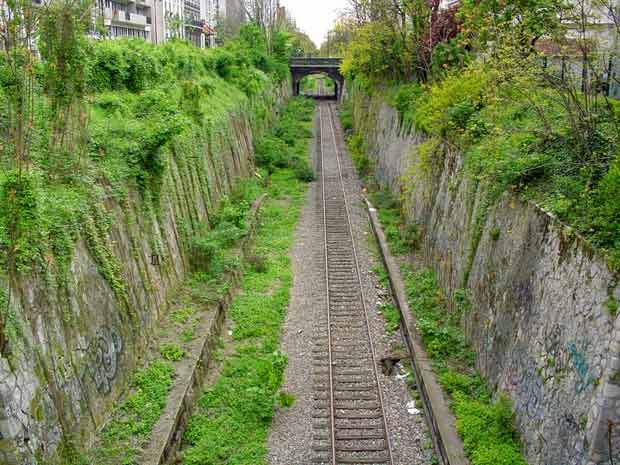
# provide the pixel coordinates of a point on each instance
(349, 423)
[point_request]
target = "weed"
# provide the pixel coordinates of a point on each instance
(612, 305)
(258, 263)
(286, 146)
(188, 335)
(382, 275)
(183, 314)
(135, 417)
(391, 315)
(401, 238)
(231, 423)
(359, 154)
(172, 352)
(286, 400)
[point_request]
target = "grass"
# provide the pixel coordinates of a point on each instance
(521, 137)
(232, 419)
(133, 421)
(172, 352)
(233, 416)
(391, 314)
(135, 417)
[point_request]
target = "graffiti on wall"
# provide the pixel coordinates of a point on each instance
(580, 365)
(102, 358)
(527, 386)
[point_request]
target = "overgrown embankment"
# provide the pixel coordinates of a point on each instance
(233, 416)
(97, 230)
(541, 302)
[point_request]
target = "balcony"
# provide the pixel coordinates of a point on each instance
(119, 16)
(137, 19)
(195, 23)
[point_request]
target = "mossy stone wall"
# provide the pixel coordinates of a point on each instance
(540, 318)
(78, 342)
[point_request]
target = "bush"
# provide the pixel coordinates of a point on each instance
(126, 64)
(497, 454)
(287, 144)
(346, 120)
(404, 101)
(358, 150)
(272, 153)
(304, 172)
(602, 215)
(446, 107)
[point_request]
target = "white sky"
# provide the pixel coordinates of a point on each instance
(314, 17)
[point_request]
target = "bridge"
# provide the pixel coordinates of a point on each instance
(301, 67)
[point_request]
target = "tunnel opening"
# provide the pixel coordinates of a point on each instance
(319, 86)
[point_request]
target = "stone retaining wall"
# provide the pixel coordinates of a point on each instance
(79, 346)
(539, 320)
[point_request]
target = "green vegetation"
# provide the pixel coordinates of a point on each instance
(137, 109)
(257, 313)
(132, 423)
(358, 150)
(135, 417)
(486, 426)
(242, 400)
(310, 84)
(522, 124)
(100, 133)
(500, 134)
(231, 423)
(391, 314)
(286, 145)
(171, 352)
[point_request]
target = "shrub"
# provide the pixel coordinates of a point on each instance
(497, 454)
(126, 64)
(358, 150)
(304, 172)
(287, 144)
(346, 120)
(404, 101)
(272, 153)
(446, 107)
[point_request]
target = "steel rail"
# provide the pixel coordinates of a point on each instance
(358, 350)
(329, 326)
(359, 278)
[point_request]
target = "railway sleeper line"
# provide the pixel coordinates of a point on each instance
(348, 419)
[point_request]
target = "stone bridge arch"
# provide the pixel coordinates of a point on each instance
(302, 67)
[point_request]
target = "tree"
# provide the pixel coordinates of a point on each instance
(265, 14)
(302, 45)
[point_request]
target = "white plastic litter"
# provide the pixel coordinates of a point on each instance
(411, 408)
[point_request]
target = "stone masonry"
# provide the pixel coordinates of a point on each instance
(540, 317)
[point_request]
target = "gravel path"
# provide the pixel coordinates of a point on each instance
(290, 440)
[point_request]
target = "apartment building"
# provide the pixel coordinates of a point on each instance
(126, 18)
(161, 20)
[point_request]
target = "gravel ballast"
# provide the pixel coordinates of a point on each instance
(290, 440)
